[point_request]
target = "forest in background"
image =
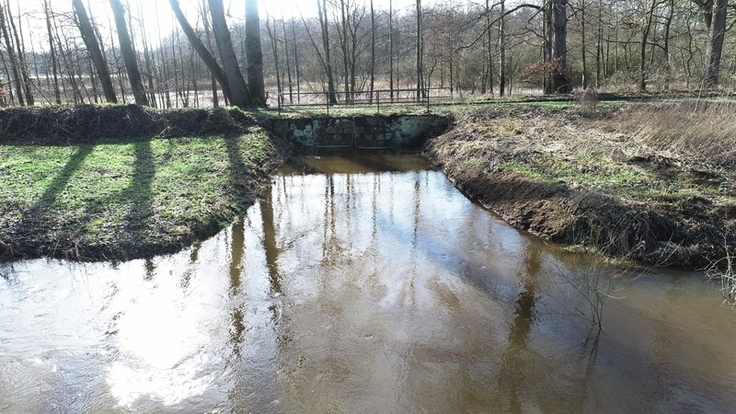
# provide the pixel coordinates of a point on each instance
(469, 48)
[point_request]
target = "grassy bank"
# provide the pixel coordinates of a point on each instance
(651, 183)
(131, 196)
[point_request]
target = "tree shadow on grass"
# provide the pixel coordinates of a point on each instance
(63, 177)
(137, 223)
(37, 233)
(238, 169)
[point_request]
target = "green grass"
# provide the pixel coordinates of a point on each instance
(586, 172)
(126, 199)
(621, 179)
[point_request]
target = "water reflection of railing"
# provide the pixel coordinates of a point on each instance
(380, 97)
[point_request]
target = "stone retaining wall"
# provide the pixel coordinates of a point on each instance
(398, 131)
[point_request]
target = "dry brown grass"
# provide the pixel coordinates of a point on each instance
(702, 132)
(647, 182)
(588, 100)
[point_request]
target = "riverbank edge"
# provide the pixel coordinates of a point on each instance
(582, 219)
(575, 217)
(43, 234)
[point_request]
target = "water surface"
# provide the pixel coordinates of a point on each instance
(362, 284)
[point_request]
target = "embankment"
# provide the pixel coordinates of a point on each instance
(619, 181)
(122, 182)
(651, 183)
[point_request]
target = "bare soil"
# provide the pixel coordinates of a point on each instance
(606, 180)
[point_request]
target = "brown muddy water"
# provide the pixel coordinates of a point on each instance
(362, 285)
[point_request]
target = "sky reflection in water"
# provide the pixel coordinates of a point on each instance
(351, 290)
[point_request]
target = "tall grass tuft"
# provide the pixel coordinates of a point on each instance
(588, 100)
(723, 270)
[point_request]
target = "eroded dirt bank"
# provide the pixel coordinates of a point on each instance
(640, 182)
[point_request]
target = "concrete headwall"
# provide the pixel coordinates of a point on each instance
(396, 131)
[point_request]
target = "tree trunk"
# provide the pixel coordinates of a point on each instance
(666, 48)
(163, 84)
(322, 11)
(129, 57)
(240, 94)
(502, 50)
(147, 59)
(345, 53)
(560, 83)
(391, 49)
(373, 51)
(275, 52)
(296, 62)
(204, 53)
(490, 47)
(420, 52)
(288, 59)
(715, 47)
(93, 48)
(11, 55)
(706, 9)
(599, 46)
(253, 53)
(208, 33)
(52, 51)
(21, 55)
(643, 46)
(582, 37)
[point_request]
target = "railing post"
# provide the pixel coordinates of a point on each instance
(378, 102)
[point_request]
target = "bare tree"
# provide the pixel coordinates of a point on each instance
(345, 51)
(559, 82)
(20, 48)
(391, 48)
(666, 47)
(238, 89)
(93, 48)
(490, 47)
(288, 59)
(52, 51)
(373, 50)
(715, 46)
(253, 53)
(646, 29)
(129, 56)
(502, 49)
(420, 51)
(296, 61)
(14, 64)
(275, 52)
(324, 26)
(204, 53)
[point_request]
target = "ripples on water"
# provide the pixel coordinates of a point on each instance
(360, 284)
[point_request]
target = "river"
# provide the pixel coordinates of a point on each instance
(363, 284)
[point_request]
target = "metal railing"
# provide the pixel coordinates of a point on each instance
(385, 97)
